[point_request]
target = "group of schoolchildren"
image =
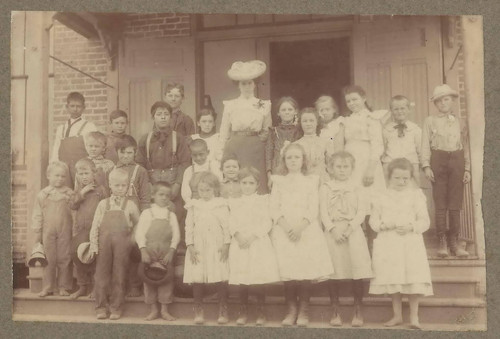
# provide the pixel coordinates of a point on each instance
(175, 186)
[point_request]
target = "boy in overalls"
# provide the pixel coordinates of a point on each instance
(85, 203)
(139, 191)
(52, 225)
(446, 163)
(68, 145)
(111, 241)
(157, 236)
(165, 154)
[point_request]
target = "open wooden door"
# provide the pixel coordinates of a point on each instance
(146, 68)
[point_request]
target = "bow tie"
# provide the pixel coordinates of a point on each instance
(116, 200)
(340, 198)
(401, 129)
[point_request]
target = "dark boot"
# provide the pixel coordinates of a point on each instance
(443, 247)
(304, 296)
(333, 286)
(456, 250)
(358, 289)
(291, 302)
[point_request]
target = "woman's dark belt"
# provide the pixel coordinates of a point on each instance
(245, 133)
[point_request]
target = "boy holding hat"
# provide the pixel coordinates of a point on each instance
(85, 202)
(157, 236)
(446, 163)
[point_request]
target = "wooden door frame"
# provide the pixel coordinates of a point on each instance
(290, 32)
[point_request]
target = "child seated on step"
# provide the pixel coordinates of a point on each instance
(207, 241)
(252, 261)
(118, 121)
(111, 241)
(200, 154)
(157, 235)
(95, 144)
(85, 202)
(52, 223)
(343, 210)
(400, 264)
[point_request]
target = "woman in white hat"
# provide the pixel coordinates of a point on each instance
(446, 163)
(246, 120)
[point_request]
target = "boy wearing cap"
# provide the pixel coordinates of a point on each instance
(85, 202)
(111, 240)
(157, 236)
(446, 163)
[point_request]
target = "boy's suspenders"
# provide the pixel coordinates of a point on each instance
(131, 185)
(174, 148)
(63, 131)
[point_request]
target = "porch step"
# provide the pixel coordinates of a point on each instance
(467, 313)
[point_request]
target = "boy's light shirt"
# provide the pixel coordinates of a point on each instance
(209, 166)
(145, 222)
(61, 129)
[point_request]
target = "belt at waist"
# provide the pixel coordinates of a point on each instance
(245, 133)
(446, 152)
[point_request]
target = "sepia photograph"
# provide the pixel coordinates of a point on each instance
(248, 170)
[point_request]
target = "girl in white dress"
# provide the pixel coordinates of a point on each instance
(205, 121)
(207, 241)
(316, 148)
(297, 237)
(343, 211)
(328, 111)
(400, 262)
(252, 261)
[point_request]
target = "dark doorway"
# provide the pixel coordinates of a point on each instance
(308, 69)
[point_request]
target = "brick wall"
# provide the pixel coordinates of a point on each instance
(19, 214)
(157, 25)
(89, 56)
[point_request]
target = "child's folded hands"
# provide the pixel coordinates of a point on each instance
(167, 258)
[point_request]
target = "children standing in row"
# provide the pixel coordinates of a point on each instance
(294, 207)
(85, 202)
(110, 240)
(252, 262)
(399, 257)
(52, 224)
(157, 235)
(342, 212)
(207, 241)
(446, 163)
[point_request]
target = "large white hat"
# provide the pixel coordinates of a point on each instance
(248, 70)
(83, 253)
(441, 91)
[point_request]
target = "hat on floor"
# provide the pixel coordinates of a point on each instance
(154, 274)
(37, 256)
(441, 91)
(248, 70)
(83, 253)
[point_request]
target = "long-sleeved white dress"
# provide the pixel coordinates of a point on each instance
(295, 197)
(400, 261)
(256, 264)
